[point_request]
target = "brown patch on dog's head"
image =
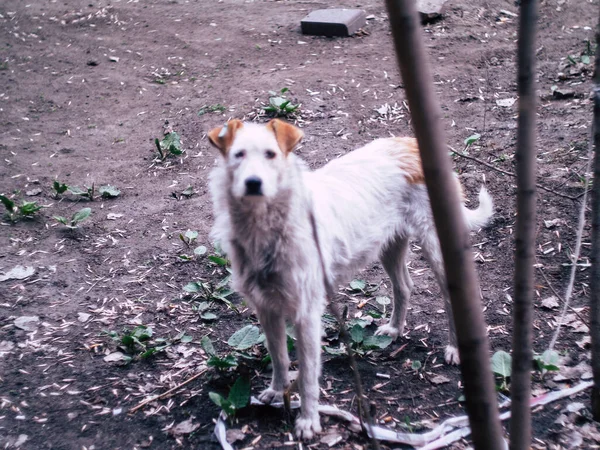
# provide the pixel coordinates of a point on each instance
(222, 137)
(287, 135)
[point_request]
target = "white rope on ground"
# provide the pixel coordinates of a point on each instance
(449, 431)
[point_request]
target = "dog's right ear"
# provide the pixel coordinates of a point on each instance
(222, 137)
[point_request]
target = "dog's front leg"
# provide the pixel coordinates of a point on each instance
(308, 331)
(274, 325)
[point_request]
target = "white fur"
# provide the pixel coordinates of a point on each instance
(365, 208)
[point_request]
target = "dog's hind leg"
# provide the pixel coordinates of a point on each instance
(393, 258)
(431, 249)
(274, 326)
(308, 332)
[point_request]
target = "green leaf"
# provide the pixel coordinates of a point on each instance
(8, 203)
(192, 287)
(549, 360)
(416, 365)
(219, 400)
(77, 190)
(199, 251)
(29, 208)
(186, 338)
(383, 300)
(142, 332)
(501, 363)
(284, 90)
(472, 139)
(244, 338)
(81, 215)
(60, 188)
(218, 260)
(239, 395)
(377, 342)
(358, 285)
(228, 362)
(357, 334)
(207, 346)
(335, 351)
(585, 59)
(188, 191)
(61, 219)
(208, 316)
(191, 235)
(109, 191)
(171, 143)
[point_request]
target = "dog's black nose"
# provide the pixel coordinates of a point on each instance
(253, 186)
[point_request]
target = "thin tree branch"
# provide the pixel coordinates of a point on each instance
(510, 174)
(525, 155)
(462, 282)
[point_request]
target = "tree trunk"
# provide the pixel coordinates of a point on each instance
(520, 421)
(452, 231)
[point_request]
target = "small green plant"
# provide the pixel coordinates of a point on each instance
(212, 108)
(546, 362)
(59, 188)
(363, 287)
(109, 191)
(78, 217)
(471, 140)
(87, 192)
(361, 342)
(279, 105)
(15, 212)
(169, 145)
(238, 398)
(501, 367)
(138, 341)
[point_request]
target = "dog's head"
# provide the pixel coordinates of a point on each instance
(256, 156)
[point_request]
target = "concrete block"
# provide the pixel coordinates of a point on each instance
(333, 22)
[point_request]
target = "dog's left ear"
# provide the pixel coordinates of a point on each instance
(222, 137)
(288, 136)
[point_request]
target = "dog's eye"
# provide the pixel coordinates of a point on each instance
(240, 154)
(270, 154)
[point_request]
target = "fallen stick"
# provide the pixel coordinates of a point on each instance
(165, 394)
(510, 174)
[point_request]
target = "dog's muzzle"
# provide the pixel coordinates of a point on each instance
(253, 186)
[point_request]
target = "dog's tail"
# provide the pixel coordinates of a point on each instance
(477, 218)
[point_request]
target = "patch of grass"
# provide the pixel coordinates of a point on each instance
(279, 105)
(15, 212)
(217, 107)
(78, 217)
(169, 145)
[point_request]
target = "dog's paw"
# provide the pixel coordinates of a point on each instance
(307, 428)
(387, 330)
(269, 396)
(451, 355)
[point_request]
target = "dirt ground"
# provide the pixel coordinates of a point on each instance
(86, 87)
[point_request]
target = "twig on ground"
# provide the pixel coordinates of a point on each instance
(165, 394)
(576, 253)
(510, 174)
(558, 296)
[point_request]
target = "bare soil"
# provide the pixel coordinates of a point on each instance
(86, 87)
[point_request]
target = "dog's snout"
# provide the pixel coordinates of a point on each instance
(253, 186)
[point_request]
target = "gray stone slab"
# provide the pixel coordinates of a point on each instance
(431, 10)
(333, 22)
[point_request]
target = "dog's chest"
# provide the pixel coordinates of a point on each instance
(263, 271)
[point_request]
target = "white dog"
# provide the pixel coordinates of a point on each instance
(366, 204)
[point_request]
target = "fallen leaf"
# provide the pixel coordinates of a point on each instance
(331, 439)
(234, 435)
(6, 347)
(185, 427)
(83, 317)
(18, 273)
(117, 357)
(27, 323)
(506, 102)
(440, 379)
(113, 216)
(550, 302)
